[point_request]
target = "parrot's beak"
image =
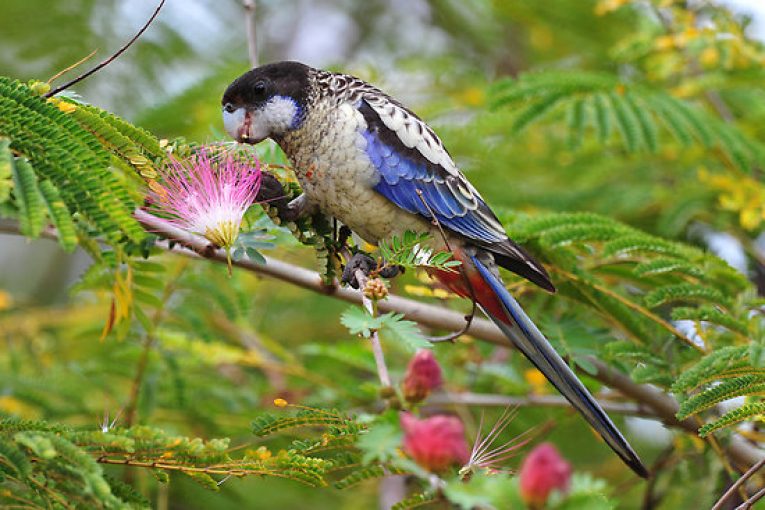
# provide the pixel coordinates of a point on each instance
(239, 125)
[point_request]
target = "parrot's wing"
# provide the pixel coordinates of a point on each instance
(419, 175)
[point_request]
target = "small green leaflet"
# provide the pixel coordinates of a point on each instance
(359, 322)
(404, 331)
(411, 251)
(5, 169)
(380, 443)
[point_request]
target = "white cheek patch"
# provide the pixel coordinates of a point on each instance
(278, 115)
(232, 121)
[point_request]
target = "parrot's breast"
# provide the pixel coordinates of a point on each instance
(329, 157)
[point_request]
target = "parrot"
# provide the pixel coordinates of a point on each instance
(364, 159)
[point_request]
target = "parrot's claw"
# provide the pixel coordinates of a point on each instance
(297, 208)
(359, 262)
(391, 271)
(366, 264)
(272, 192)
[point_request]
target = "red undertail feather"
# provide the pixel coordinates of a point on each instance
(484, 295)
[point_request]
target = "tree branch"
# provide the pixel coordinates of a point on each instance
(111, 58)
(252, 38)
(489, 400)
(662, 406)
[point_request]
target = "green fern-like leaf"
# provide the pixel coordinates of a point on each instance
(745, 385)
(626, 122)
(662, 266)
(711, 314)
(28, 198)
(74, 162)
(13, 462)
(415, 501)
(267, 424)
(638, 112)
(360, 475)
(711, 366)
(641, 243)
(745, 412)
(6, 159)
(59, 213)
(684, 292)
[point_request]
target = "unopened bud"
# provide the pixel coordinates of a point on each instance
(435, 443)
(543, 471)
(423, 375)
(375, 289)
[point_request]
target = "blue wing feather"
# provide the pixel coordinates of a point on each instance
(402, 175)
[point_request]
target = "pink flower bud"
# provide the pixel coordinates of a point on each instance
(543, 470)
(423, 375)
(435, 443)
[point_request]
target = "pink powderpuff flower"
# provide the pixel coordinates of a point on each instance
(542, 472)
(207, 194)
(435, 443)
(423, 375)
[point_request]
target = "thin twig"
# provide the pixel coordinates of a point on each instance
(746, 505)
(69, 68)
(468, 318)
(733, 488)
(382, 368)
(111, 58)
(249, 23)
(490, 400)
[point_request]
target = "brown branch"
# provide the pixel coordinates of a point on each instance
(489, 400)
(111, 59)
(252, 38)
(733, 488)
(746, 505)
(221, 469)
(743, 453)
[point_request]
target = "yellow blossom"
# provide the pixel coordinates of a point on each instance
(422, 291)
(12, 405)
(263, 453)
(606, 6)
(280, 402)
(664, 42)
(740, 194)
(6, 301)
(536, 380)
(64, 106)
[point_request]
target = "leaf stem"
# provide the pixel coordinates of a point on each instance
(371, 307)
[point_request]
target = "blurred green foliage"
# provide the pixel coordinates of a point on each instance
(611, 136)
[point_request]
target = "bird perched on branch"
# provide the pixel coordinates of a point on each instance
(363, 158)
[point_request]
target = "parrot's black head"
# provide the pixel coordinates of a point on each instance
(267, 101)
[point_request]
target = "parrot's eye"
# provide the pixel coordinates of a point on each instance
(259, 88)
(229, 108)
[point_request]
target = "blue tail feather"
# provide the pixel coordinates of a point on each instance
(532, 343)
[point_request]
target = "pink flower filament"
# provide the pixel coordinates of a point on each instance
(208, 195)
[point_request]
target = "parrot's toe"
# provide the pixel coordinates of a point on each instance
(359, 262)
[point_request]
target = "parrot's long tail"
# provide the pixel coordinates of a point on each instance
(507, 314)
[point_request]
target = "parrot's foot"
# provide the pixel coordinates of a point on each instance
(272, 192)
(366, 264)
(297, 208)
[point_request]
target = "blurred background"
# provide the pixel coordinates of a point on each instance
(438, 57)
